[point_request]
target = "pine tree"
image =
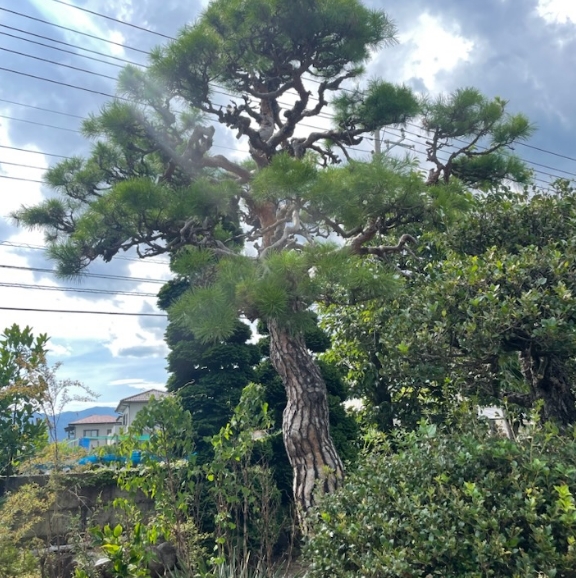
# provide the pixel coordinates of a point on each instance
(317, 229)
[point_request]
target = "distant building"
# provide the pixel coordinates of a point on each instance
(92, 431)
(101, 430)
(130, 406)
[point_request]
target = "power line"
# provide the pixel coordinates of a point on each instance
(63, 83)
(229, 148)
(93, 275)
(21, 179)
(41, 248)
(73, 30)
(117, 58)
(76, 290)
(546, 151)
(23, 166)
(34, 152)
(40, 124)
(421, 153)
(228, 94)
(232, 95)
(58, 63)
(42, 109)
(83, 312)
(114, 20)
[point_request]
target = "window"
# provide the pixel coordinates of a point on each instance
(72, 433)
(90, 433)
(108, 432)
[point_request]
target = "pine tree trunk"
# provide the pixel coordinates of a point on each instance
(311, 451)
(550, 383)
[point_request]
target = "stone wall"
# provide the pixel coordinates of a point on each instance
(83, 501)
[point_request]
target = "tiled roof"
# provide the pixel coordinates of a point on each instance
(95, 419)
(144, 396)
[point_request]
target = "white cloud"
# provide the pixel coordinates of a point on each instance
(138, 383)
(436, 49)
(79, 20)
(557, 11)
(57, 350)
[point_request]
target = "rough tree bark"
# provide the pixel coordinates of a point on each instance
(305, 424)
(549, 382)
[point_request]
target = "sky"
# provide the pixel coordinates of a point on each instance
(521, 50)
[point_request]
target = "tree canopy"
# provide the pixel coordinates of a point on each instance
(487, 313)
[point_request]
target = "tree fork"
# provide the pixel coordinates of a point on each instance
(305, 425)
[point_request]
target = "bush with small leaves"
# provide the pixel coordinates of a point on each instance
(460, 503)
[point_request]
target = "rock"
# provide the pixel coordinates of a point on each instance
(103, 567)
(165, 560)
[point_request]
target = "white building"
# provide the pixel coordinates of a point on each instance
(100, 430)
(130, 406)
(92, 431)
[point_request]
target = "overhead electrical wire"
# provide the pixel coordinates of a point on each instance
(114, 19)
(107, 95)
(402, 136)
(93, 275)
(21, 179)
(40, 124)
(21, 165)
(76, 290)
(534, 163)
(34, 152)
(31, 309)
(42, 109)
(63, 43)
(87, 34)
(58, 63)
(29, 246)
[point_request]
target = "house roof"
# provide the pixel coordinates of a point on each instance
(95, 419)
(143, 397)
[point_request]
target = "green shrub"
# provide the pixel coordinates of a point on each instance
(463, 504)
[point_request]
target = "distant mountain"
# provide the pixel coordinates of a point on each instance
(67, 416)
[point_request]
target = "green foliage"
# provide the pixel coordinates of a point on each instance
(467, 112)
(235, 485)
(483, 303)
(480, 130)
(209, 378)
(379, 105)
(22, 390)
(432, 503)
(242, 487)
(169, 475)
(20, 512)
(129, 553)
(260, 37)
(152, 182)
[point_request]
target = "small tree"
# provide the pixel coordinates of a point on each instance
(58, 394)
(22, 391)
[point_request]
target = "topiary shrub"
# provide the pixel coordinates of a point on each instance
(431, 503)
